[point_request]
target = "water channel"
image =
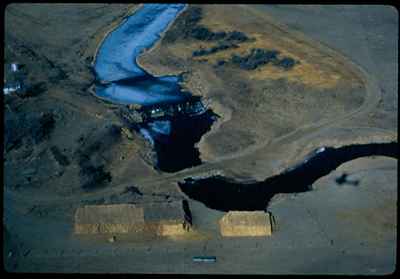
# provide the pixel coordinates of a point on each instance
(120, 80)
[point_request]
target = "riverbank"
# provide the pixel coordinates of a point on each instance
(226, 194)
(175, 149)
(114, 25)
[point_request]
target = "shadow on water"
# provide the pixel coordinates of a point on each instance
(220, 193)
(176, 148)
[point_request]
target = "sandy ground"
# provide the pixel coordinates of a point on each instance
(333, 229)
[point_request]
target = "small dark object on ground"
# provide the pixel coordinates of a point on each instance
(81, 139)
(58, 74)
(220, 62)
(286, 63)
(188, 213)
(114, 130)
(60, 158)
(34, 90)
(42, 129)
(133, 190)
(97, 177)
(343, 180)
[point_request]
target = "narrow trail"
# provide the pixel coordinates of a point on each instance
(372, 98)
(373, 95)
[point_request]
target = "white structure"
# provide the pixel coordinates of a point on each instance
(14, 67)
(8, 89)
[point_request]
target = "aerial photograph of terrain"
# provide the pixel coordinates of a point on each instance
(200, 138)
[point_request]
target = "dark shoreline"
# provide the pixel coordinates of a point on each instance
(221, 193)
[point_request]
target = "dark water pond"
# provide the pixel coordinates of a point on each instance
(174, 139)
(178, 151)
(224, 194)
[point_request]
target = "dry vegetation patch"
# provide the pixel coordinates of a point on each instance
(271, 81)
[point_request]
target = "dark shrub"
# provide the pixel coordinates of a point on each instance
(201, 33)
(220, 63)
(258, 57)
(218, 35)
(236, 59)
(200, 52)
(14, 131)
(60, 158)
(286, 63)
(219, 47)
(237, 36)
(40, 130)
(193, 15)
(184, 24)
(133, 190)
(96, 177)
(34, 90)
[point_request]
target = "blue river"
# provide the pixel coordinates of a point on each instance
(120, 78)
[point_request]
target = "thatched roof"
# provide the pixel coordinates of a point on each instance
(162, 218)
(245, 223)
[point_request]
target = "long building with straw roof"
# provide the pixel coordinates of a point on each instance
(163, 219)
(246, 223)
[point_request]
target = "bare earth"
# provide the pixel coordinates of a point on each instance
(344, 91)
